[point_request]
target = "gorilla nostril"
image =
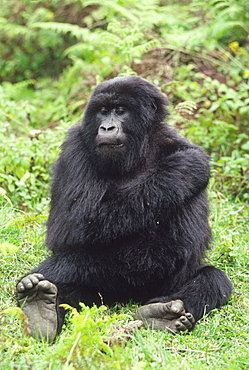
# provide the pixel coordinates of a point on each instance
(111, 128)
(107, 128)
(108, 131)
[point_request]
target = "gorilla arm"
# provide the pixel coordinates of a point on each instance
(175, 179)
(160, 189)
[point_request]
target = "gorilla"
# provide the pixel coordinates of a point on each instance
(128, 218)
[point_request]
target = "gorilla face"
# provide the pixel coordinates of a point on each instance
(119, 120)
(111, 137)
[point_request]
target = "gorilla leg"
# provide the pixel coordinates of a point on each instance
(209, 289)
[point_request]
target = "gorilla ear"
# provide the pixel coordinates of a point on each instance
(159, 106)
(154, 107)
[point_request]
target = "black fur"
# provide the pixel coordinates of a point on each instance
(133, 224)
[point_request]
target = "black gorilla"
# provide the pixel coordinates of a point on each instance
(128, 218)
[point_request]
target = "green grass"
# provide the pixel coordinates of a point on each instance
(219, 341)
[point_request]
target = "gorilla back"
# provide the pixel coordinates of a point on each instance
(128, 217)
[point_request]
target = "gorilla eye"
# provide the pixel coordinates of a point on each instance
(120, 110)
(104, 111)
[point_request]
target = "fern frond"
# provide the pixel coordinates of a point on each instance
(220, 4)
(64, 28)
(114, 6)
(23, 84)
(75, 49)
(186, 108)
(219, 28)
(13, 30)
(108, 38)
(141, 49)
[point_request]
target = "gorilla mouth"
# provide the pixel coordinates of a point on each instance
(108, 146)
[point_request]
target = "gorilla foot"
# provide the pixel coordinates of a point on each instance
(37, 298)
(170, 316)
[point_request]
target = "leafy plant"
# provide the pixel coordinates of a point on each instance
(25, 165)
(209, 24)
(110, 44)
(219, 124)
(33, 48)
(87, 342)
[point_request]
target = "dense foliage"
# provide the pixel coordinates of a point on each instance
(54, 52)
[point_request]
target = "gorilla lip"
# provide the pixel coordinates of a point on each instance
(107, 146)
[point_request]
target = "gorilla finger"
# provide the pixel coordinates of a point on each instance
(38, 276)
(180, 326)
(185, 321)
(47, 286)
(20, 287)
(190, 317)
(25, 283)
(175, 306)
(35, 278)
(29, 281)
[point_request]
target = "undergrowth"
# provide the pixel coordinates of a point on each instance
(219, 340)
(203, 60)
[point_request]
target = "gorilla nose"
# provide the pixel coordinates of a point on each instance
(108, 129)
(108, 134)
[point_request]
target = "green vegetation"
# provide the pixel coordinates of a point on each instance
(52, 55)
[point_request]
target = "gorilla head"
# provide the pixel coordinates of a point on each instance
(118, 122)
